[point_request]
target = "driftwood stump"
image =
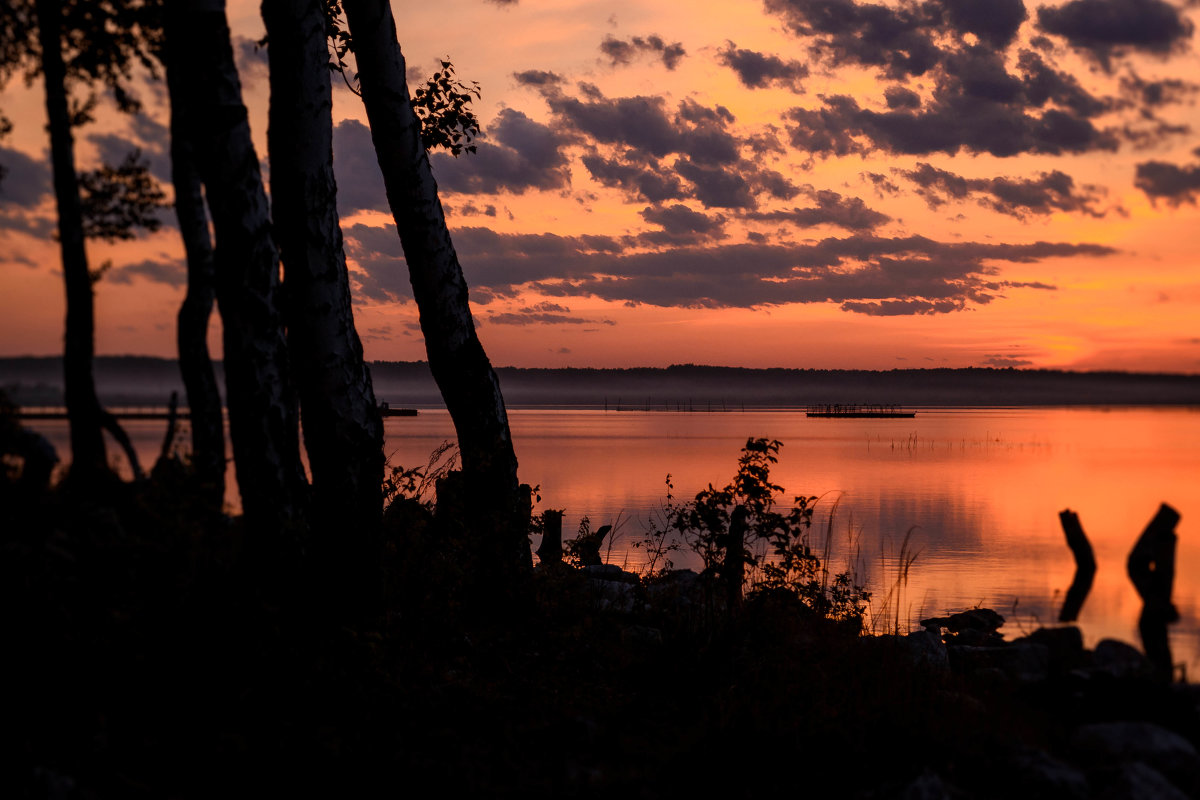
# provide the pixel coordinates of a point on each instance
(1085, 566)
(1151, 567)
(550, 550)
(734, 568)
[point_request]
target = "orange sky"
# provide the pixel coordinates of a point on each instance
(793, 183)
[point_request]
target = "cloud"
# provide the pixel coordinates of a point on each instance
(516, 154)
(1171, 182)
(545, 313)
(1006, 361)
(655, 153)
(759, 70)
(623, 51)
(1017, 197)
(1109, 28)
(114, 147)
(538, 78)
(681, 225)
(359, 180)
(861, 273)
(26, 181)
(831, 208)
(165, 270)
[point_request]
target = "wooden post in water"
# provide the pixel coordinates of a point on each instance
(1151, 567)
(1085, 566)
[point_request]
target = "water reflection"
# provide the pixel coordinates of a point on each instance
(980, 490)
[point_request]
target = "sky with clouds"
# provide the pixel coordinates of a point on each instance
(795, 183)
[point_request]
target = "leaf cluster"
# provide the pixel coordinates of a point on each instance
(443, 105)
(119, 200)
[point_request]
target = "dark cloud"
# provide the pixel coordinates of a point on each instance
(623, 51)
(927, 275)
(1155, 93)
(1170, 182)
(646, 181)
(171, 272)
(515, 155)
(898, 40)
(681, 225)
(359, 181)
(1006, 361)
(759, 70)
(654, 153)
(114, 147)
(1107, 28)
(831, 208)
(995, 22)
(538, 78)
(472, 210)
(954, 121)
(26, 181)
(542, 314)
(1018, 197)
(251, 59)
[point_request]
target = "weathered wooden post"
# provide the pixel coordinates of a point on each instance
(1151, 567)
(1085, 566)
(550, 550)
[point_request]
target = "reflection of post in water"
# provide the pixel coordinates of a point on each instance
(1085, 566)
(1151, 567)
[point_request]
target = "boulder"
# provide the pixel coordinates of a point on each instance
(1128, 742)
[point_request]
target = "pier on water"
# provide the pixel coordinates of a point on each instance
(871, 411)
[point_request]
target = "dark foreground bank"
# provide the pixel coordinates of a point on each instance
(148, 655)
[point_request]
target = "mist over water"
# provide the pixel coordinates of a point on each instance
(980, 490)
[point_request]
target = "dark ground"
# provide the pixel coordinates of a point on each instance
(145, 656)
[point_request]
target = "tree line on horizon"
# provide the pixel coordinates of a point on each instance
(275, 266)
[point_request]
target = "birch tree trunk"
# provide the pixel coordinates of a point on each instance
(263, 418)
(343, 432)
(459, 364)
(195, 364)
(88, 457)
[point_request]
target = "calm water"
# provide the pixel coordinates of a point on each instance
(979, 489)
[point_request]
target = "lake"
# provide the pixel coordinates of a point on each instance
(979, 489)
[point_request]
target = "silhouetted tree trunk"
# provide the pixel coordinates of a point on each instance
(343, 432)
(263, 418)
(88, 458)
(459, 364)
(195, 364)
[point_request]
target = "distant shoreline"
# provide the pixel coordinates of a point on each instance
(146, 379)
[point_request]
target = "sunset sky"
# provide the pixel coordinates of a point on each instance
(792, 183)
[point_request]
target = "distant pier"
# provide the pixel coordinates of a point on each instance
(874, 411)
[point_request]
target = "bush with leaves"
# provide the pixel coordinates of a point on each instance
(774, 544)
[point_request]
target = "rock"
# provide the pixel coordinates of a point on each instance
(978, 619)
(1024, 662)
(642, 635)
(1037, 774)
(1064, 646)
(1138, 781)
(926, 786)
(926, 649)
(1119, 659)
(1127, 742)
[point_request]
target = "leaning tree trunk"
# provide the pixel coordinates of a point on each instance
(195, 364)
(343, 432)
(459, 364)
(88, 458)
(263, 418)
